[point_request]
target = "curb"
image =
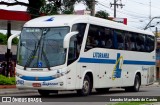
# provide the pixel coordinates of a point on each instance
(18, 92)
(7, 86)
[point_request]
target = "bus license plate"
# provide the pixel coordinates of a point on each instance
(36, 85)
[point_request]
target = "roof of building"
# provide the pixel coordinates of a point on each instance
(17, 19)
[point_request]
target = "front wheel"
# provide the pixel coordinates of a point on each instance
(86, 89)
(46, 92)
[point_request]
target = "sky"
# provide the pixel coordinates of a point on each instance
(137, 12)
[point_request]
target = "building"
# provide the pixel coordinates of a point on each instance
(82, 12)
(158, 59)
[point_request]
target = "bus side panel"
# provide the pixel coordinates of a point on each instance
(86, 63)
(72, 79)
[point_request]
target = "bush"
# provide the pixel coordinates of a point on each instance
(3, 40)
(7, 81)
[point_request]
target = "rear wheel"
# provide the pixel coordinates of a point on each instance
(86, 89)
(102, 90)
(137, 83)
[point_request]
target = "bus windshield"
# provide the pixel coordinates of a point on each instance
(42, 47)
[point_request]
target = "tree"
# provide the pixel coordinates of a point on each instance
(102, 14)
(52, 7)
(48, 7)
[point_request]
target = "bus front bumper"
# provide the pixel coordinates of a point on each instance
(55, 84)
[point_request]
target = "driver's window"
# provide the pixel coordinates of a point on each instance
(72, 56)
(76, 42)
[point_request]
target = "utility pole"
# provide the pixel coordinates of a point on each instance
(7, 55)
(93, 2)
(116, 5)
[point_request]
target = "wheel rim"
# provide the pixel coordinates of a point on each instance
(85, 86)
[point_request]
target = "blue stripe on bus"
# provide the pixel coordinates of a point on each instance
(93, 60)
(29, 78)
(112, 61)
(131, 62)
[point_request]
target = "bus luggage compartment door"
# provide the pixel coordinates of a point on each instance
(151, 75)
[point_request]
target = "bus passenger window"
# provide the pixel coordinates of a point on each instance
(108, 38)
(92, 38)
(120, 40)
(149, 43)
(132, 44)
(127, 41)
(140, 43)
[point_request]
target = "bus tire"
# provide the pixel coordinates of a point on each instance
(102, 90)
(86, 88)
(136, 86)
(44, 92)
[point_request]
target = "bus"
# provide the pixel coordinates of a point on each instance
(82, 53)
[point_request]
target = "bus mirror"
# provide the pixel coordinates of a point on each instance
(67, 39)
(9, 43)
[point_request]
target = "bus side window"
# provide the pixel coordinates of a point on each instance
(76, 42)
(109, 38)
(127, 41)
(120, 39)
(140, 39)
(92, 40)
(149, 43)
(132, 44)
(72, 55)
(152, 44)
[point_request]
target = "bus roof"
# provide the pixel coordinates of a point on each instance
(68, 20)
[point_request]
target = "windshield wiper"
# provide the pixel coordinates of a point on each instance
(31, 57)
(46, 60)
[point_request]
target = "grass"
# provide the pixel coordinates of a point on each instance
(132, 103)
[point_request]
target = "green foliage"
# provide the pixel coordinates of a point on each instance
(49, 9)
(3, 40)
(52, 8)
(102, 14)
(34, 7)
(131, 103)
(7, 81)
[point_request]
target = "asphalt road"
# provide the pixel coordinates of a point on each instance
(71, 98)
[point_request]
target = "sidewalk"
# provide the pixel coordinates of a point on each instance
(16, 91)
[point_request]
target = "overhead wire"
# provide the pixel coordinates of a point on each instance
(135, 16)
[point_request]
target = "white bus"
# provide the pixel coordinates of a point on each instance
(75, 52)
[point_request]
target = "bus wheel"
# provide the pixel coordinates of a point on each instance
(86, 89)
(137, 83)
(44, 92)
(102, 90)
(135, 88)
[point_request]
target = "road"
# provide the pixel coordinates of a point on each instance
(71, 98)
